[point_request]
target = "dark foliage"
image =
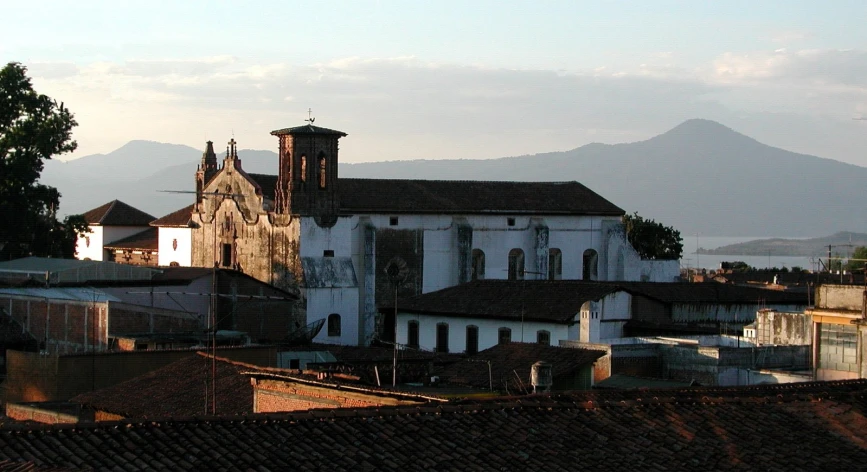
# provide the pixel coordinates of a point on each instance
(33, 127)
(653, 240)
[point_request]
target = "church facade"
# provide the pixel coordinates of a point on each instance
(349, 246)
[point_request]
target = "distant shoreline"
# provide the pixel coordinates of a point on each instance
(842, 243)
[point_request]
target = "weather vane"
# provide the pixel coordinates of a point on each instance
(310, 118)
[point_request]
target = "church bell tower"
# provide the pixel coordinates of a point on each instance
(307, 182)
(206, 170)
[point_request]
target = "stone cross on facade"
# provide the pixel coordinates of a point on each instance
(234, 152)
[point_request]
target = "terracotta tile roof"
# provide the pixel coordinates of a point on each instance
(561, 300)
(507, 359)
(553, 301)
(453, 196)
(117, 213)
(177, 218)
(146, 240)
(818, 428)
(176, 390)
(458, 197)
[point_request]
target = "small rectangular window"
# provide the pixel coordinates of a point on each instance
(294, 363)
(412, 334)
(505, 336)
(328, 253)
(442, 337)
(510, 221)
(227, 255)
(392, 221)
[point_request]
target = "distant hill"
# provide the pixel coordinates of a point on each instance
(842, 242)
(700, 177)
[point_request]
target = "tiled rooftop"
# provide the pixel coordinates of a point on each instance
(510, 365)
(815, 427)
(176, 390)
(146, 240)
(117, 213)
(457, 197)
(561, 300)
(177, 218)
(557, 301)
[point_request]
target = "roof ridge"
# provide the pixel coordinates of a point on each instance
(108, 210)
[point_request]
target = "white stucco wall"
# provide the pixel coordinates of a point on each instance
(90, 245)
(322, 302)
(99, 237)
(315, 240)
(604, 319)
(622, 262)
(183, 255)
(488, 331)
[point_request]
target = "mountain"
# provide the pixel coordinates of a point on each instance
(843, 242)
(700, 177)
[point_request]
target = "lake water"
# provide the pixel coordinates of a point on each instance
(706, 261)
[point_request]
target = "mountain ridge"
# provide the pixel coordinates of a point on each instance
(700, 176)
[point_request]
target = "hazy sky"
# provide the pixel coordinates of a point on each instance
(449, 79)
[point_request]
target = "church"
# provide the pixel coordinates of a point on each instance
(349, 246)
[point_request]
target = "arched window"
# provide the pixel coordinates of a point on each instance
(591, 265)
(504, 336)
(472, 339)
(555, 264)
(334, 324)
(442, 337)
(322, 169)
(543, 337)
(478, 265)
(303, 168)
(516, 264)
(412, 333)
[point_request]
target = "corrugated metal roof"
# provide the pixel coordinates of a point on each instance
(72, 294)
(74, 270)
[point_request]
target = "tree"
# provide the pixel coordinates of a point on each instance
(33, 127)
(858, 260)
(653, 240)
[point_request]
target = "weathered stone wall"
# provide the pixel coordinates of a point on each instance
(782, 328)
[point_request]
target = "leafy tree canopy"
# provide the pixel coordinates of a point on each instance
(858, 260)
(653, 240)
(33, 127)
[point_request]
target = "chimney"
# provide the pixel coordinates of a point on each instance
(541, 377)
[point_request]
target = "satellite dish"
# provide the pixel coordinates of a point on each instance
(305, 334)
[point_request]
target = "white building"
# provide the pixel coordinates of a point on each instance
(333, 238)
(108, 224)
(174, 238)
(481, 314)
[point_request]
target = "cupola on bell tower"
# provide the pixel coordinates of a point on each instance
(307, 182)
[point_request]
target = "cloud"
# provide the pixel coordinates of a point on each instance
(815, 66)
(403, 107)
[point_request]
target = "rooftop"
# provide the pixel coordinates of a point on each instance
(510, 365)
(176, 390)
(798, 427)
(457, 197)
(557, 301)
(178, 218)
(307, 129)
(117, 213)
(561, 300)
(146, 240)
